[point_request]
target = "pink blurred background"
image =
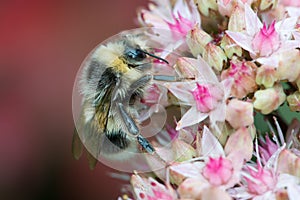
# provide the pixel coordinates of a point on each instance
(42, 44)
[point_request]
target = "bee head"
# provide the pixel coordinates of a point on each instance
(137, 51)
(134, 54)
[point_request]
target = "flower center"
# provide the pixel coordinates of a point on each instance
(267, 40)
(265, 180)
(181, 25)
(218, 170)
(206, 97)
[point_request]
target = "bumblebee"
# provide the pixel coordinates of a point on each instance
(113, 77)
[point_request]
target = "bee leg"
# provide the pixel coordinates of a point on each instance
(129, 122)
(140, 83)
(134, 130)
(166, 78)
(145, 144)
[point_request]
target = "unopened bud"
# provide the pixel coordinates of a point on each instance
(243, 73)
(186, 67)
(239, 113)
(214, 56)
(204, 6)
(197, 39)
(269, 99)
(237, 20)
(289, 65)
(294, 101)
(230, 47)
(266, 76)
(268, 4)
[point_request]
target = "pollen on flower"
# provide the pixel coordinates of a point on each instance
(218, 170)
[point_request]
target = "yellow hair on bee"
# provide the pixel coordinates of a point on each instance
(111, 56)
(107, 54)
(120, 65)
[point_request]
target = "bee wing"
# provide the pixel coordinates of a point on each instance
(77, 145)
(77, 149)
(93, 120)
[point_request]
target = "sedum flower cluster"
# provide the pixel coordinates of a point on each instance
(239, 59)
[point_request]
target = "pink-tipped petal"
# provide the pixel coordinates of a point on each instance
(191, 117)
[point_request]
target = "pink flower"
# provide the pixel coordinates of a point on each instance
(239, 113)
(150, 189)
(267, 148)
(155, 94)
(243, 74)
(266, 41)
(262, 42)
(216, 167)
(178, 19)
(290, 3)
(206, 96)
(262, 180)
(218, 170)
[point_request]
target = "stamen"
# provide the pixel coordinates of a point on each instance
(279, 131)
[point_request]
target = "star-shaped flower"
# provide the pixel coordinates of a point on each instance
(206, 96)
(174, 21)
(265, 42)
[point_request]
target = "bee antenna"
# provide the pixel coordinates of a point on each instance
(154, 56)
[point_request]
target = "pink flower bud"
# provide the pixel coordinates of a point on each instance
(243, 74)
(289, 67)
(239, 113)
(186, 68)
(289, 163)
(290, 3)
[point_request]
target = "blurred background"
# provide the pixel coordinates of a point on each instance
(42, 44)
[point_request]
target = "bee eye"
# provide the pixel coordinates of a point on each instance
(136, 54)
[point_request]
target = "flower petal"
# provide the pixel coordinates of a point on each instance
(210, 146)
(253, 24)
(182, 91)
(286, 27)
(191, 117)
(242, 40)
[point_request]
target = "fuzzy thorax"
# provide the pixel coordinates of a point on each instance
(120, 65)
